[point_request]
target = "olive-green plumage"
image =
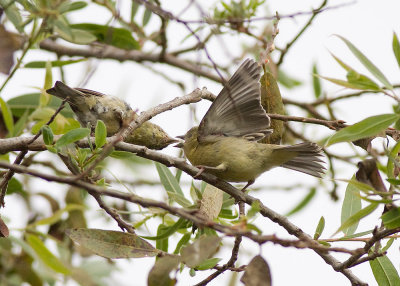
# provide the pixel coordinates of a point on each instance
(90, 106)
(225, 143)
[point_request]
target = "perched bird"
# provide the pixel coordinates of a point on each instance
(90, 106)
(225, 143)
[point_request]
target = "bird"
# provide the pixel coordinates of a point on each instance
(90, 106)
(226, 145)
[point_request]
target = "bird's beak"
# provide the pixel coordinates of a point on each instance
(180, 144)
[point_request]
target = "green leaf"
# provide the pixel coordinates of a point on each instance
(134, 9)
(58, 214)
(391, 160)
(68, 33)
(255, 209)
(180, 199)
(15, 186)
(167, 230)
(168, 180)
(355, 218)
(112, 244)
(68, 6)
(384, 271)
(45, 255)
(351, 205)
(47, 135)
(316, 81)
(72, 136)
(208, 264)
(391, 219)
(396, 48)
(20, 125)
(368, 127)
(162, 243)
(320, 228)
(48, 82)
(100, 134)
(304, 202)
(286, 80)
(367, 63)
(146, 17)
(13, 14)
(30, 102)
(42, 64)
(362, 81)
(117, 37)
(182, 242)
(362, 85)
(7, 116)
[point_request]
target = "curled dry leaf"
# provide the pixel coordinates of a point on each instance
(211, 202)
(8, 45)
(199, 251)
(112, 244)
(257, 273)
(4, 232)
(159, 274)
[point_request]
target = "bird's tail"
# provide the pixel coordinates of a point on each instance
(307, 160)
(62, 90)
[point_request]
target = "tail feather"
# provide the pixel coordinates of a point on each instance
(62, 90)
(308, 159)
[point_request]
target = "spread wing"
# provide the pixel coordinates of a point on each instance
(237, 110)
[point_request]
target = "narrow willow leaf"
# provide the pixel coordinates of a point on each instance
(396, 48)
(48, 82)
(384, 271)
(182, 242)
(316, 81)
(367, 63)
(7, 116)
(13, 14)
(42, 64)
(100, 134)
(48, 136)
(45, 255)
(355, 218)
(347, 84)
(58, 214)
(180, 199)
(351, 205)
(303, 203)
(72, 136)
(368, 127)
(391, 219)
(391, 160)
(162, 243)
(21, 124)
(68, 6)
(168, 230)
(320, 228)
(146, 17)
(112, 244)
(168, 180)
(117, 37)
(208, 264)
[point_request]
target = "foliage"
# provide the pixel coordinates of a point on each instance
(186, 227)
